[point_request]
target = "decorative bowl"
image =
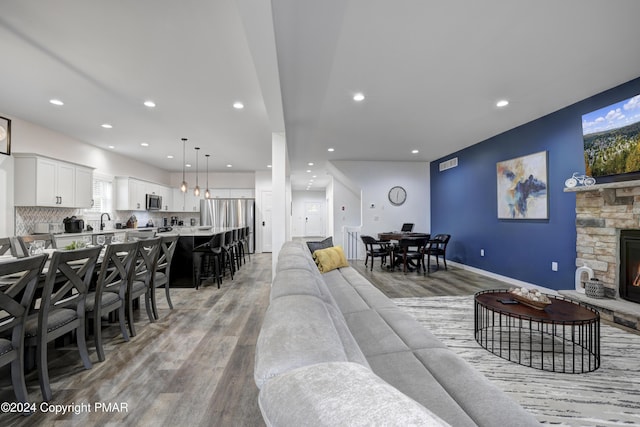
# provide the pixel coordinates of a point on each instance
(527, 299)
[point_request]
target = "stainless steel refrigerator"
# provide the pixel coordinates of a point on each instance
(230, 213)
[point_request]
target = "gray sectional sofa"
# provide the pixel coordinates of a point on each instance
(333, 350)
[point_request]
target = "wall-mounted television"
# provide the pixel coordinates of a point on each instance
(611, 137)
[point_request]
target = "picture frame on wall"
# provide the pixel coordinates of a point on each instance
(5, 136)
(522, 185)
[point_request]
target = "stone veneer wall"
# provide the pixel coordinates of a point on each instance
(600, 215)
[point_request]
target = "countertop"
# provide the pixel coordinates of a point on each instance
(183, 231)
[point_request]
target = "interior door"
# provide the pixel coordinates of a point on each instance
(313, 219)
(266, 226)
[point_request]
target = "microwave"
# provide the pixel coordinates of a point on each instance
(154, 202)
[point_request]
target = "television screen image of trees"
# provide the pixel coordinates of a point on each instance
(612, 139)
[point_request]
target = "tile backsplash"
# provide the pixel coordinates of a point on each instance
(26, 218)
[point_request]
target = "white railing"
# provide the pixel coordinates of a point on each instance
(351, 236)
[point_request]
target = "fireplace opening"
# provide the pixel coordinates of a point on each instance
(630, 265)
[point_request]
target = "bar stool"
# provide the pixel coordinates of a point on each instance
(207, 259)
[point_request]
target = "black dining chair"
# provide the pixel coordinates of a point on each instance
(375, 249)
(438, 247)
(142, 279)
(18, 286)
(410, 250)
(163, 270)
(111, 289)
(62, 308)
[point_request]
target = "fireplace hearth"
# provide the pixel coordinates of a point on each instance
(629, 284)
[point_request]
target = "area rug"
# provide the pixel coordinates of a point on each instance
(610, 396)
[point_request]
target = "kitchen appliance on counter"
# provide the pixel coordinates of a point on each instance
(73, 225)
(229, 213)
(48, 228)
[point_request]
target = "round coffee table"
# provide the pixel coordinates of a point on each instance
(564, 337)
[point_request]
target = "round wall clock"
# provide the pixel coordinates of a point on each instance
(397, 195)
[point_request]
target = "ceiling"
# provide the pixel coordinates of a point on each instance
(431, 73)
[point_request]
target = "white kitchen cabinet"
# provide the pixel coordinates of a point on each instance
(131, 194)
(84, 187)
(185, 202)
(42, 181)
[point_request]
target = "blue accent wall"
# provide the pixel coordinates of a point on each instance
(463, 199)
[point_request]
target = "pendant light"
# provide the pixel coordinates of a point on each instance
(196, 191)
(207, 193)
(183, 186)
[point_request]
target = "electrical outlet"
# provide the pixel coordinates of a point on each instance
(554, 266)
(481, 252)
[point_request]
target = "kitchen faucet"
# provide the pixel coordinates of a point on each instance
(102, 222)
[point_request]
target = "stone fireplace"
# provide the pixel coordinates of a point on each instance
(607, 214)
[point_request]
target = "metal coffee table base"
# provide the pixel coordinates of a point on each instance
(565, 337)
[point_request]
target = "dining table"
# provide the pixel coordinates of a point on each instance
(393, 238)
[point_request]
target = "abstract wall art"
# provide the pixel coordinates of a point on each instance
(522, 187)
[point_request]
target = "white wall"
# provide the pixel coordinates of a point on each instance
(262, 184)
(216, 179)
(371, 210)
(27, 137)
(6, 196)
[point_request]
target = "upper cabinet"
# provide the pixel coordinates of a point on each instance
(131, 194)
(185, 202)
(41, 181)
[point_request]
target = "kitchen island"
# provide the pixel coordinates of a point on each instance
(182, 263)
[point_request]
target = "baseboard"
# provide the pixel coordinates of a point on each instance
(502, 278)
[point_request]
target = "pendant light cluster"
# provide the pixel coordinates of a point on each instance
(184, 186)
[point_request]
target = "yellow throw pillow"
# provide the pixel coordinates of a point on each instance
(330, 258)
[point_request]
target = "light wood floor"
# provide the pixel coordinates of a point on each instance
(195, 365)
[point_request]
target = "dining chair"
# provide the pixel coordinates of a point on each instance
(19, 282)
(111, 289)
(375, 249)
(62, 307)
(163, 270)
(142, 279)
(25, 242)
(438, 247)
(6, 245)
(411, 249)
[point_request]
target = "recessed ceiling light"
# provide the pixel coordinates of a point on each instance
(112, 146)
(169, 156)
(502, 103)
(106, 126)
(358, 97)
(308, 170)
(144, 144)
(229, 166)
(149, 104)
(414, 151)
(56, 102)
(314, 176)
(238, 105)
(331, 150)
(310, 164)
(269, 166)
(188, 165)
